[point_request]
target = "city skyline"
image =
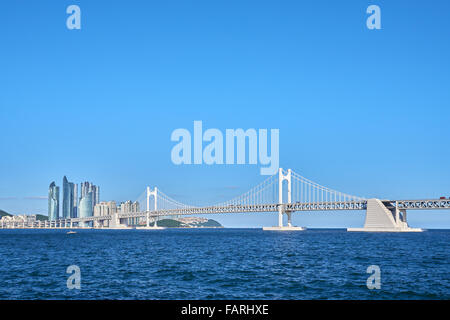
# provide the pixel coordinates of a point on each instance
(88, 204)
(72, 205)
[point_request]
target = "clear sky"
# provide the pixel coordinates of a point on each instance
(362, 111)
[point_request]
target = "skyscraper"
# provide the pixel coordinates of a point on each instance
(87, 187)
(53, 202)
(86, 209)
(97, 195)
(75, 201)
(69, 202)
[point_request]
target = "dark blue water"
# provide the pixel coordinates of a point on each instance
(223, 264)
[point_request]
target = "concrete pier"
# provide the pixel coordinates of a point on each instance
(380, 218)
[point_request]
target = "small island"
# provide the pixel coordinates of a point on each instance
(189, 222)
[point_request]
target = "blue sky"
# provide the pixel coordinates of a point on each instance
(362, 111)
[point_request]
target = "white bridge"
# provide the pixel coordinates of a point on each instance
(285, 193)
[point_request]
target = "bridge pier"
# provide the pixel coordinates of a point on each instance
(280, 226)
(114, 223)
(381, 217)
(289, 214)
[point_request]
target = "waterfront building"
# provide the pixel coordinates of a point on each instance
(69, 200)
(53, 201)
(128, 207)
(88, 187)
(20, 218)
(75, 201)
(105, 208)
(96, 195)
(86, 208)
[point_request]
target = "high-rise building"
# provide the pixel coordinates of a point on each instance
(128, 207)
(53, 202)
(97, 195)
(105, 208)
(87, 187)
(75, 201)
(69, 201)
(86, 208)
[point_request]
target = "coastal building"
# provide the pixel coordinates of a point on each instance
(105, 208)
(88, 187)
(53, 201)
(192, 220)
(69, 201)
(86, 208)
(128, 207)
(75, 201)
(20, 218)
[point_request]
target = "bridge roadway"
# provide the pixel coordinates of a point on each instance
(424, 204)
(272, 207)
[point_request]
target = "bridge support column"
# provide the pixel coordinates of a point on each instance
(404, 214)
(381, 217)
(289, 219)
(114, 222)
(280, 216)
(281, 207)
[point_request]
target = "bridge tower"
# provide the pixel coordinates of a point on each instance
(151, 193)
(281, 209)
(281, 205)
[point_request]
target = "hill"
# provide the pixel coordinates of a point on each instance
(41, 217)
(169, 223)
(210, 223)
(4, 213)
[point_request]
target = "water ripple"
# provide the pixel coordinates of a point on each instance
(223, 264)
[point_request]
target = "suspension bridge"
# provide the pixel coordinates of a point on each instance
(283, 193)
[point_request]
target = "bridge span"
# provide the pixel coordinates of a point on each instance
(284, 193)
